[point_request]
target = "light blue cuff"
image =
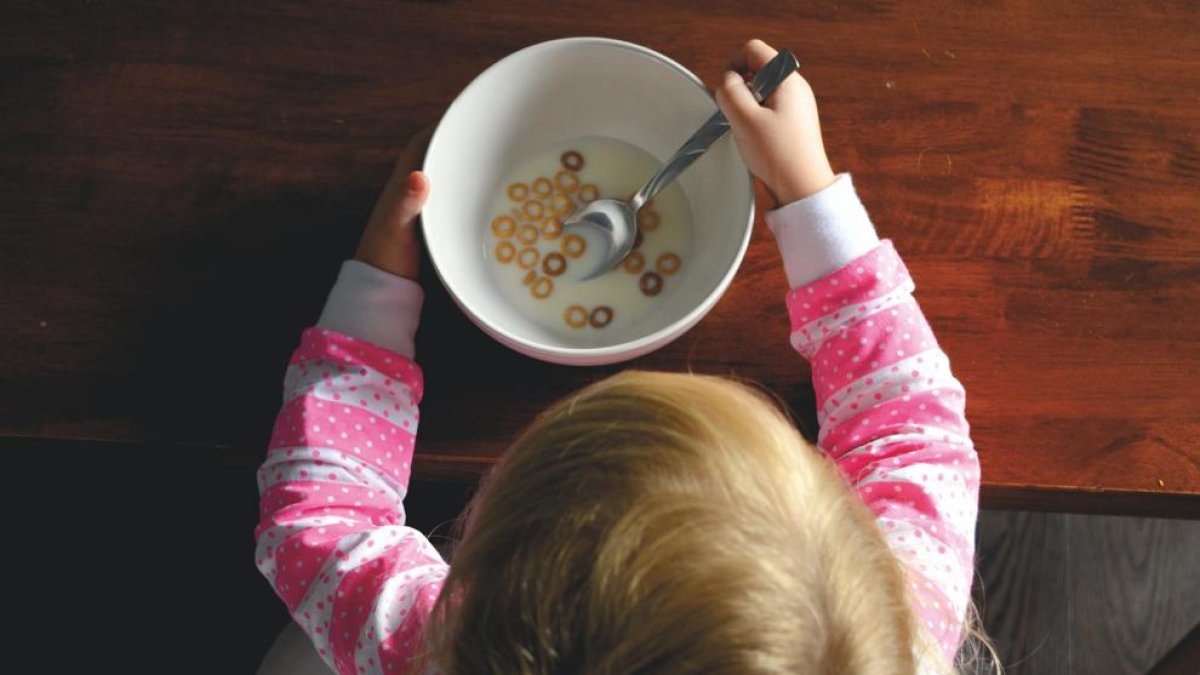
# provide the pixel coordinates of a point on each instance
(823, 232)
(376, 306)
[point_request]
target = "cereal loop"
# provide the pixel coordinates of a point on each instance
(634, 263)
(588, 193)
(552, 228)
(505, 252)
(576, 316)
(601, 316)
(533, 209)
(528, 258)
(561, 205)
(650, 283)
(542, 288)
(573, 245)
(554, 264)
(668, 264)
(503, 226)
(542, 186)
(572, 160)
(528, 234)
(648, 220)
(530, 277)
(518, 191)
(566, 181)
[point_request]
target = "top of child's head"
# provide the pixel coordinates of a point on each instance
(670, 523)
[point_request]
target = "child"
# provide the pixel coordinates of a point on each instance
(651, 523)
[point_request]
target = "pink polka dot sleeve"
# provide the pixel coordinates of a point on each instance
(892, 418)
(332, 539)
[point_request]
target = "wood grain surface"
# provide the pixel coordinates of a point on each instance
(180, 181)
(1023, 589)
(1101, 595)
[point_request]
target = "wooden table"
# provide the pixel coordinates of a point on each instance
(180, 181)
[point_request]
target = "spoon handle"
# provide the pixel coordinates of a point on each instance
(762, 86)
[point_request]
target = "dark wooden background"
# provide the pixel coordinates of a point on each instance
(179, 182)
(1089, 594)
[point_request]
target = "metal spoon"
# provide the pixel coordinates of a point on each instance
(617, 220)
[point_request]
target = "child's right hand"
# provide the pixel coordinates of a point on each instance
(780, 141)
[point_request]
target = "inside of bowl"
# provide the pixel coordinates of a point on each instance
(555, 92)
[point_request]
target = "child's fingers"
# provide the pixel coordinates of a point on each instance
(387, 208)
(793, 96)
(401, 201)
(412, 197)
(390, 239)
(735, 100)
(757, 53)
(750, 56)
(737, 61)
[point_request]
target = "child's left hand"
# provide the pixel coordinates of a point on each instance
(389, 241)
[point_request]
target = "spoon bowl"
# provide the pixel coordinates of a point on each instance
(615, 223)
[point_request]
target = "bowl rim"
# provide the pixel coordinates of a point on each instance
(622, 351)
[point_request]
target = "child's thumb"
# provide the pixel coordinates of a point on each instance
(414, 193)
(735, 100)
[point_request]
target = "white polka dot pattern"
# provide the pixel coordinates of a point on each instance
(340, 387)
(808, 338)
(280, 469)
(397, 599)
(275, 536)
(335, 467)
(332, 539)
(926, 371)
(892, 418)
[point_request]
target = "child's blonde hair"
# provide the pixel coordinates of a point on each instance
(665, 523)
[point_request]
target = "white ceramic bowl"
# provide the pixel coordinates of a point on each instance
(551, 93)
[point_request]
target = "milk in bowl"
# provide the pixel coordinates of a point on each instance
(539, 269)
